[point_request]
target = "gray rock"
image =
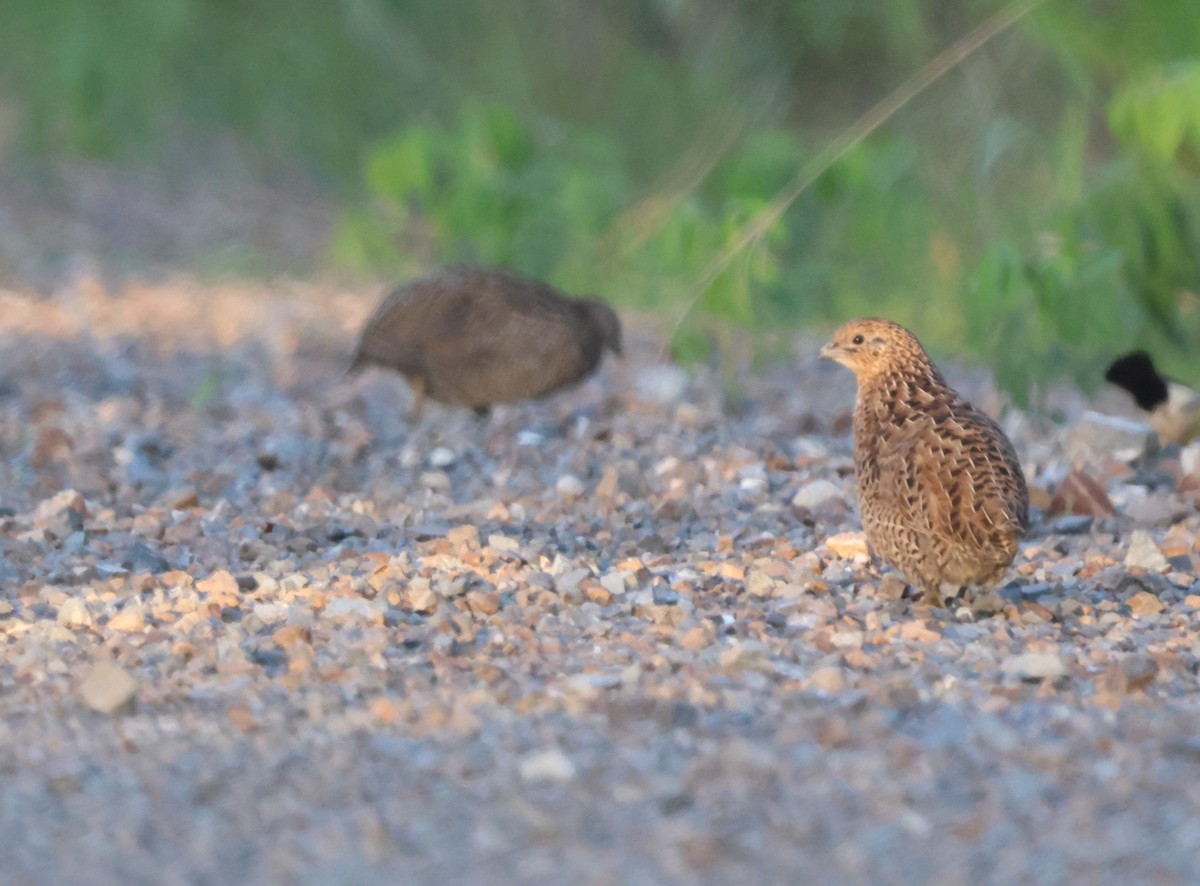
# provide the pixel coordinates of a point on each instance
(1143, 553)
(359, 607)
(814, 494)
(1096, 437)
(1035, 666)
(1072, 524)
(614, 583)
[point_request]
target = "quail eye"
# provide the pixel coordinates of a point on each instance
(858, 340)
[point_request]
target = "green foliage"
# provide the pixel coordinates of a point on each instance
(1158, 115)
(561, 204)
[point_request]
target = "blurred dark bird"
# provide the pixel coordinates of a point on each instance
(1170, 407)
(940, 490)
(476, 336)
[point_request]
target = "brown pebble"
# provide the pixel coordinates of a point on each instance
(127, 620)
(1144, 603)
(108, 688)
(241, 717)
(485, 602)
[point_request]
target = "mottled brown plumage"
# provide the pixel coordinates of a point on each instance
(477, 336)
(940, 490)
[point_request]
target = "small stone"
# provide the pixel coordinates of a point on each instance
(812, 495)
(291, 636)
(596, 593)
(1144, 603)
(569, 486)
(1130, 675)
(664, 595)
(504, 543)
(848, 545)
(484, 602)
(62, 514)
(419, 597)
(613, 582)
(241, 717)
(1035, 666)
(66, 500)
(919, 632)
(128, 620)
(143, 558)
(220, 582)
(73, 613)
(1096, 437)
(463, 536)
(181, 499)
(1075, 524)
(108, 688)
(1143, 553)
(759, 584)
(548, 765)
(355, 607)
(696, 638)
(829, 680)
(441, 457)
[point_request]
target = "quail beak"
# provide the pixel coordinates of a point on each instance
(829, 351)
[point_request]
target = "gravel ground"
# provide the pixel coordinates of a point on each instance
(256, 628)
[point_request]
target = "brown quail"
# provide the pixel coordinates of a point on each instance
(940, 491)
(475, 336)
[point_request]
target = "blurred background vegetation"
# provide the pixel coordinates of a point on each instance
(1037, 208)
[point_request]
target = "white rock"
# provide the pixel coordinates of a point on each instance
(1035, 666)
(809, 447)
(1145, 554)
(73, 613)
(663, 383)
(569, 486)
(814, 494)
(614, 583)
(548, 765)
(270, 611)
(342, 607)
(441, 457)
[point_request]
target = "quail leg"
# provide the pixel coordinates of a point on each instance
(418, 404)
